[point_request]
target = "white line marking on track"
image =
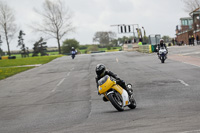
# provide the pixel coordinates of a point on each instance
(60, 82)
(191, 64)
(183, 82)
(54, 89)
(194, 131)
(68, 73)
(191, 53)
(117, 60)
(58, 85)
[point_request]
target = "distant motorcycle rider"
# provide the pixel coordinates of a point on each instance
(73, 51)
(101, 72)
(161, 45)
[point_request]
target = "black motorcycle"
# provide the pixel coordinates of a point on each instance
(73, 56)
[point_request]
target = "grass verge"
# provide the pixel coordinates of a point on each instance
(6, 72)
(27, 61)
(9, 67)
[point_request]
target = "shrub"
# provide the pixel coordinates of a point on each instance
(109, 47)
(93, 48)
(68, 44)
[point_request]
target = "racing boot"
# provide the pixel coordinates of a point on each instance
(128, 91)
(123, 85)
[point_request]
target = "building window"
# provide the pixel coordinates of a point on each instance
(190, 24)
(186, 22)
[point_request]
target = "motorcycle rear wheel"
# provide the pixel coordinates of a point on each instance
(116, 101)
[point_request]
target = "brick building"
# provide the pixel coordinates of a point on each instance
(189, 28)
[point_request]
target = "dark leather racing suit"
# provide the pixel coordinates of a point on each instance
(162, 45)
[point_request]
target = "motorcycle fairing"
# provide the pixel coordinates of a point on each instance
(123, 93)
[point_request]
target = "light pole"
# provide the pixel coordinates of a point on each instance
(134, 28)
(144, 37)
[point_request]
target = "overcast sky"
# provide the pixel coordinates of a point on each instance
(89, 16)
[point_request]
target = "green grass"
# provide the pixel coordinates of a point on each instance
(7, 72)
(8, 67)
(83, 51)
(18, 56)
(116, 47)
(104, 49)
(53, 53)
(27, 61)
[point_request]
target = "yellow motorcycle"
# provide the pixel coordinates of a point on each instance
(115, 93)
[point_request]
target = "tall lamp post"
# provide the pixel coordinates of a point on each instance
(144, 37)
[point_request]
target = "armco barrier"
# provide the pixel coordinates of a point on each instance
(150, 48)
(8, 57)
(12, 57)
(145, 48)
(130, 47)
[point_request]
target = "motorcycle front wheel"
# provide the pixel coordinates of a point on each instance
(162, 59)
(73, 56)
(116, 100)
(133, 104)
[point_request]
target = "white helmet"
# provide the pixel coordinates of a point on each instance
(161, 40)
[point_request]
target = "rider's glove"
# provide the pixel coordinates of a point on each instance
(123, 81)
(118, 79)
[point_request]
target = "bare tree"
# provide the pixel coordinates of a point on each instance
(56, 20)
(191, 5)
(7, 23)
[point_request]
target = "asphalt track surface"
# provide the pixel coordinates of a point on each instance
(61, 96)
